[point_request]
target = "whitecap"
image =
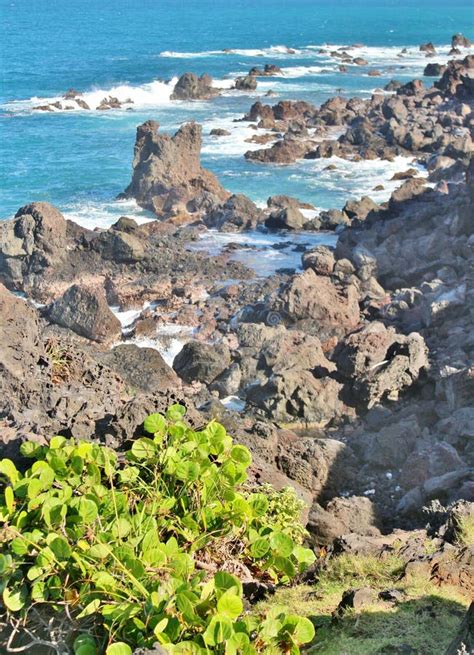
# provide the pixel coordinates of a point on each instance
(103, 214)
(153, 94)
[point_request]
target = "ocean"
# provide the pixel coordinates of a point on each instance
(80, 160)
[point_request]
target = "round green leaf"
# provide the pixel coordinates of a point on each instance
(119, 648)
(259, 504)
(61, 548)
(300, 628)
(230, 605)
(286, 565)
(175, 412)
(187, 471)
(259, 548)
(121, 528)
(305, 556)
(84, 645)
(9, 499)
(19, 546)
(282, 544)
(144, 448)
(242, 455)
(8, 468)
(87, 510)
(219, 630)
(86, 649)
(14, 599)
(155, 423)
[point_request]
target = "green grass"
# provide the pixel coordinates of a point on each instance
(465, 531)
(425, 620)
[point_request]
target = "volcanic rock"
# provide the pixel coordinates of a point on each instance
(167, 173)
(85, 311)
(202, 362)
(191, 87)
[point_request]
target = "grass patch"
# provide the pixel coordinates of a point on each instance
(465, 530)
(425, 620)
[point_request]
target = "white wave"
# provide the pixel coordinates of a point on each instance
(169, 340)
(103, 214)
(302, 71)
(235, 143)
(356, 179)
(409, 57)
(262, 257)
(272, 51)
(153, 94)
(234, 403)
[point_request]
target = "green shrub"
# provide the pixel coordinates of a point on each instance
(151, 544)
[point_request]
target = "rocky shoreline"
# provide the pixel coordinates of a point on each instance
(355, 372)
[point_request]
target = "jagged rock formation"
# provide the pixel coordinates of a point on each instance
(191, 87)
(167, 172)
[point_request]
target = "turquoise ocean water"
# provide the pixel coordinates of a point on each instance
(81, 160)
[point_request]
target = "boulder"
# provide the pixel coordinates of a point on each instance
(355, 600)
(461, 41)
(284, 151)
(247, 83)
(237, 213)
(295, 394)
(359, 209)
(341, 516)
(142, 369)
(109, 103)
(291, 349)
(30, 243)
(289, 218)
(321, 260)
(201, 361)
(20, 348)
(381, 363)
(167, 172)
(329, 310)
(191, 87)
(428, 48)
(218, 131)
(434, 70)
(85, 311)
(119, 246)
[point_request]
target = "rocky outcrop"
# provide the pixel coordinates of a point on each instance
(284, 151)
(434, 70)
(85, 312)
(287, 218)
(414, 120)
(191, 87)
(380, 363)
(461, 41)
(32, 242)
(52, 382)
(315, 302)
(167, 173)
(341, 516)
(201, 362)
(247, 83)
(237, 213)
